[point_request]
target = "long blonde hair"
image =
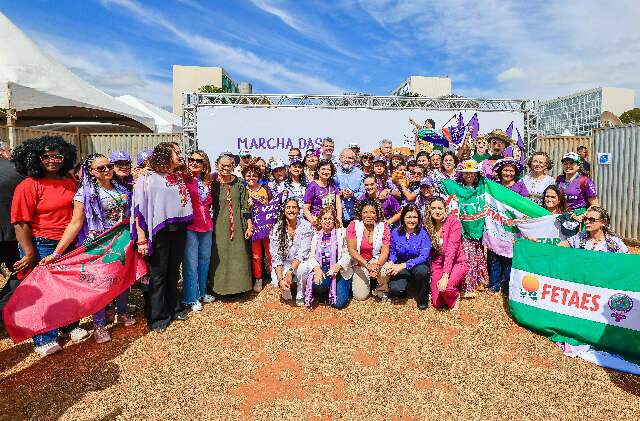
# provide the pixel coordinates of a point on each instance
(206, 171)
(429, 225)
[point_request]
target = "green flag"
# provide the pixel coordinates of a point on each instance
(468, 205)
(577, 296)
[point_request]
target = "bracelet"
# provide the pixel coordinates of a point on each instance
(142, 243)
(56, 255)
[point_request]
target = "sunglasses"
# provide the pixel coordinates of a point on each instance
(591, 220)
(196, 161)
(104, 168)
(56, 157)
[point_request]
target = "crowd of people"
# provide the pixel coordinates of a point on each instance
(352, 225)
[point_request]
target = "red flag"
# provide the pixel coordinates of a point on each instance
(75, 286)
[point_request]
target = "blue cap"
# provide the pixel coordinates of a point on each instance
(119, 156)
(426, 181)
(143, 156)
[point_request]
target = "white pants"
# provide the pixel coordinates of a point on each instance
(360, 284)
(299, 276)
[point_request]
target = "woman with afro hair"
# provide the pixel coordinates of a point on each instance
(41, 210)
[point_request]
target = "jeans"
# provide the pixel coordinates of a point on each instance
(421, 274)
(100, 318)
(45, 247)
(499, 270)
(195, 267)
(343, 290)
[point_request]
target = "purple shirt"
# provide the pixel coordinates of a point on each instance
(577, 195)
(413, 251)
(390, 205)
(520, 188)
(320, 197)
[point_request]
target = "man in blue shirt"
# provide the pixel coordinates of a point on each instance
(349, 180)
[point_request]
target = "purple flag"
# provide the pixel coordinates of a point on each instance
(265, 216)
(457, 131)
(521, 147)
(474, 126)
(509, 130)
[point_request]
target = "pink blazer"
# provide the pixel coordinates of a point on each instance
(202, 221)
(451, 252)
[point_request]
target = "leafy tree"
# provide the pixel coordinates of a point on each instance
(631, 116)
(210, 89)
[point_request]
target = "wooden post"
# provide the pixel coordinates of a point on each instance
(11, 127)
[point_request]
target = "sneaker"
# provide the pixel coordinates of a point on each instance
(196, 307)
(300, 302)
(208, 299)
(257, 285)
(180, 316)
(76, 334)
(48, 349)
(384, 297)
(126, 320)
(101, 335)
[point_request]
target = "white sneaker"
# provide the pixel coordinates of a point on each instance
(48, 349)
(78, 334)
(257, 285)
(300, 302)
(196, 307)
(208, 299)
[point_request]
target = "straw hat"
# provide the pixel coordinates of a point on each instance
(500, 135)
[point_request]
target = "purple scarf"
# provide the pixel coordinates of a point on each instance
(333, 258)
(93, 212)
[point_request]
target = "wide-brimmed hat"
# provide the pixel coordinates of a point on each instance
(468, 165)
(500, 135)
(501, 163)
(572, 156)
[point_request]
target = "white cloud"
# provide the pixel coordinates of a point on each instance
(512, 73)
(238, 60)
(281, 14)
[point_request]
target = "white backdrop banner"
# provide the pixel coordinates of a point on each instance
(273, 131)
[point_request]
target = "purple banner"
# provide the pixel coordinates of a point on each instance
(265, 216)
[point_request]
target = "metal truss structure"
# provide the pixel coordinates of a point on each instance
(192, 102)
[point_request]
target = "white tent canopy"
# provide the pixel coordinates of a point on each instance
(165, 121)
(41, 90)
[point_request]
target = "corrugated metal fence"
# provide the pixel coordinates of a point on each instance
(556, 146)
(103, 143)
(618, 182)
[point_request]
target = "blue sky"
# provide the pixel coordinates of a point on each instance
(490, 48)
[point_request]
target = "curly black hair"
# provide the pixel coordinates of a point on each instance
(26, 157)
(361, 204)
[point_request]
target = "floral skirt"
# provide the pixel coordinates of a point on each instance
(478, 274)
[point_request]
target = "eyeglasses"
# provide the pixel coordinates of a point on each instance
(590, 219)
(104, 168)
(196, 161)
(56, 157)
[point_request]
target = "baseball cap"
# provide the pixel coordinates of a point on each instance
(119, 156)
(354, 146)
(426, 181)
(143, 156)
(572, 156)
(244, 153)
(277, 164)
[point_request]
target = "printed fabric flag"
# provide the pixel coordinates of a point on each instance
(577, 296)
(546, 229)
(76, 285)
(265, 216)
(489, 212)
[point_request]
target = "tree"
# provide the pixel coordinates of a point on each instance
(210, 89)
(631, 116)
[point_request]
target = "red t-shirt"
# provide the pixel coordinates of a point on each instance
(366, 248)
(45, 203)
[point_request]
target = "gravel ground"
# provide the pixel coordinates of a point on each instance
(258, 358)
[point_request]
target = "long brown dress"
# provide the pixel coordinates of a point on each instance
(230, 270)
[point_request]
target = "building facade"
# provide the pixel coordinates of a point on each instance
(192, 78)
(424, 86)
(579, 113)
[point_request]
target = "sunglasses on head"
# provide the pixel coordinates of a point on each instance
(591, 219)
(196, 161)
(104, 168)
(56, 157)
